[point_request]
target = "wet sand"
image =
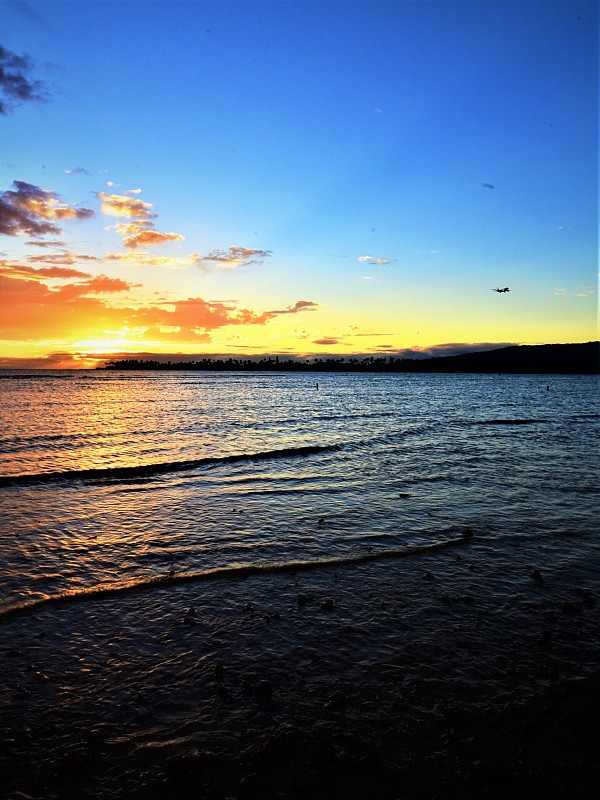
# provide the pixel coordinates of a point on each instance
(462, 673)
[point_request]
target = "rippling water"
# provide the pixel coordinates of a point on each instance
(115, 479)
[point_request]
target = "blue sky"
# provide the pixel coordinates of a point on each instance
(383, 164)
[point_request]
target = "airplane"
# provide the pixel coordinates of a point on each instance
(501, 291)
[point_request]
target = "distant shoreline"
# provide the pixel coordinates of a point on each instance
(546, 359)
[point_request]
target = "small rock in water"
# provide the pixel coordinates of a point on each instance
(536, 576)
(428, 576)
(327, 605)
(467, 534)
(545, 637)
(264, 689)
(303, 599)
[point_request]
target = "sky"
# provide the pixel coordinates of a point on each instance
(306, 179)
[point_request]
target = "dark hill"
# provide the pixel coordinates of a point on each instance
(537, 359)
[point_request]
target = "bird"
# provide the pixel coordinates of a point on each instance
(501, 291)
(488, 185)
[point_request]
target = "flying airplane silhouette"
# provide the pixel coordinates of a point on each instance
(501, 291)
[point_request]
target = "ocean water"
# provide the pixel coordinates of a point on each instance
(241, 585)
(112, 480)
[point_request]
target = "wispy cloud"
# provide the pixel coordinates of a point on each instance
(28, 210)
(147, 260)
(78, 171)
(45, 243)
(60, 258)
(300, 305)
(327, 340)
(236, 256)
(40, 273)
(374, 260)
(16, 87)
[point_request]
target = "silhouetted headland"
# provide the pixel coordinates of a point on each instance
(558, 359)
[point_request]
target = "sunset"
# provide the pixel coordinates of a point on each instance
(290, 178)
(299, 370)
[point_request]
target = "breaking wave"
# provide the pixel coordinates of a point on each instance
(236, 571)
(161, 468)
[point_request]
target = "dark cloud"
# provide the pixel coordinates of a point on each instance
(57, 360)
(31, 211)
(78, 171)
(16, 87)
(448, 349)
(300, 305)
(327, 340)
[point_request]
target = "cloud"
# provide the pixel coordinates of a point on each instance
(371, 334)
(31, 211)
(140, 231)
(57, 360)
(32, 310)
(100, 285)
(194, 317)
(137, 234)
(61, 258)
(119, 205)
(147, 260)
(327, 340)
(236, 257)
(16, 87)
(42, 273)
(47, 243)
(449, 349)
(78, 171)
(373, 260)
(300, 305)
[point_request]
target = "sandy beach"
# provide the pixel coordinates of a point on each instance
(463, 672)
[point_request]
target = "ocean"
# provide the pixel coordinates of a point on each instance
(208, 504)
(110, 479)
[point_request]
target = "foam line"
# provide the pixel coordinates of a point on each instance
(240, 571)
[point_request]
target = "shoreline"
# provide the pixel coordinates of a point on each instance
(441, 675)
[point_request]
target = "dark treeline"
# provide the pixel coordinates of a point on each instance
(519, 359)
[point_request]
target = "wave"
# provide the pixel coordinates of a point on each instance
(505, 421)
(161, 468)
(238, 571)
